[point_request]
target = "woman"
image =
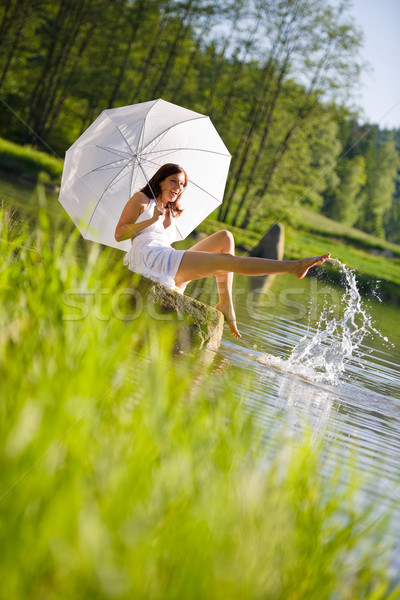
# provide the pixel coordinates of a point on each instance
(149, 220)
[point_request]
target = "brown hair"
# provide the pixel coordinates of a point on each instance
(153, 188)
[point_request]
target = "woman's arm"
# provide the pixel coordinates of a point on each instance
(127, 226)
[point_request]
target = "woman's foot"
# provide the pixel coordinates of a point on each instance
(302, 266)
(230, 318)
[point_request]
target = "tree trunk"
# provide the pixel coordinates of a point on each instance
(135, 24)
(9, 18)
(67, 28)
(179, 87)
(220, 62)
(239, 161)
(14, 25)
(141, 92)
(13, 48)
(280, 45)
(180, 36)
(262, 189)
(263, 142)
(63, 92)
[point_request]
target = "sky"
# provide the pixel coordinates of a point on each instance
(379, 94)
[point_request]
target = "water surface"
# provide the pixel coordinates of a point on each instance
(332, 368)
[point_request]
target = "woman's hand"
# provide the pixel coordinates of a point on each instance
(158, 212)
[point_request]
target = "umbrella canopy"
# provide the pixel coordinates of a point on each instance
(123, 148)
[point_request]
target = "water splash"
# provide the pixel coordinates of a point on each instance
(323, 356)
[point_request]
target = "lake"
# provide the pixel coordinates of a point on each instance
(323, 360)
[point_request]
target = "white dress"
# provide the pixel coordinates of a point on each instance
(151, 253)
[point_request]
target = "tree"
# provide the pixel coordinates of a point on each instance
(17, 24)
(380, 185)
(266, 71)
(342, 202)
(67, 34)
(391, 218)
(310, 38)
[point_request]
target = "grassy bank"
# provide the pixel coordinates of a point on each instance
(29, 163)
(128, 473)
(325, 227)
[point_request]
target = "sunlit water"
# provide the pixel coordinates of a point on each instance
(320, 361)
(338, 377)
(326, 376)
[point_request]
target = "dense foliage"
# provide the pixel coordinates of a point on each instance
(272, 74)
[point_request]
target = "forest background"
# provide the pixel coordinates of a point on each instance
(275, 76)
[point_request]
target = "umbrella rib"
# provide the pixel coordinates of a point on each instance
(192, 149)
(131, 179)
(107, 148)
(205, 191)
(112, 150)
(108, 166)
(99, 200)
(191, 181)
(122, 135)
(120, 167)
(145, 176)
(141, 134)
(163, 133)
(159, 139)
(102, 167)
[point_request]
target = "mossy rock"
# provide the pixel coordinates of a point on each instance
(199, 325)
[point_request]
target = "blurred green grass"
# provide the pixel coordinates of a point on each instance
(127, 473)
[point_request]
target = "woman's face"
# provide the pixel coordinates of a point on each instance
(172, 187)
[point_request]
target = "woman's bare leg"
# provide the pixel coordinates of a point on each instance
(197, 263)
(221, 241)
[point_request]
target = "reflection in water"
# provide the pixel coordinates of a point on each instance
(306, 404)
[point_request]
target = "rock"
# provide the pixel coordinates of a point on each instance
(200, 325)
(271, 245)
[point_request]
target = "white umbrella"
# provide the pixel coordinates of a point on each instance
(123, 148)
